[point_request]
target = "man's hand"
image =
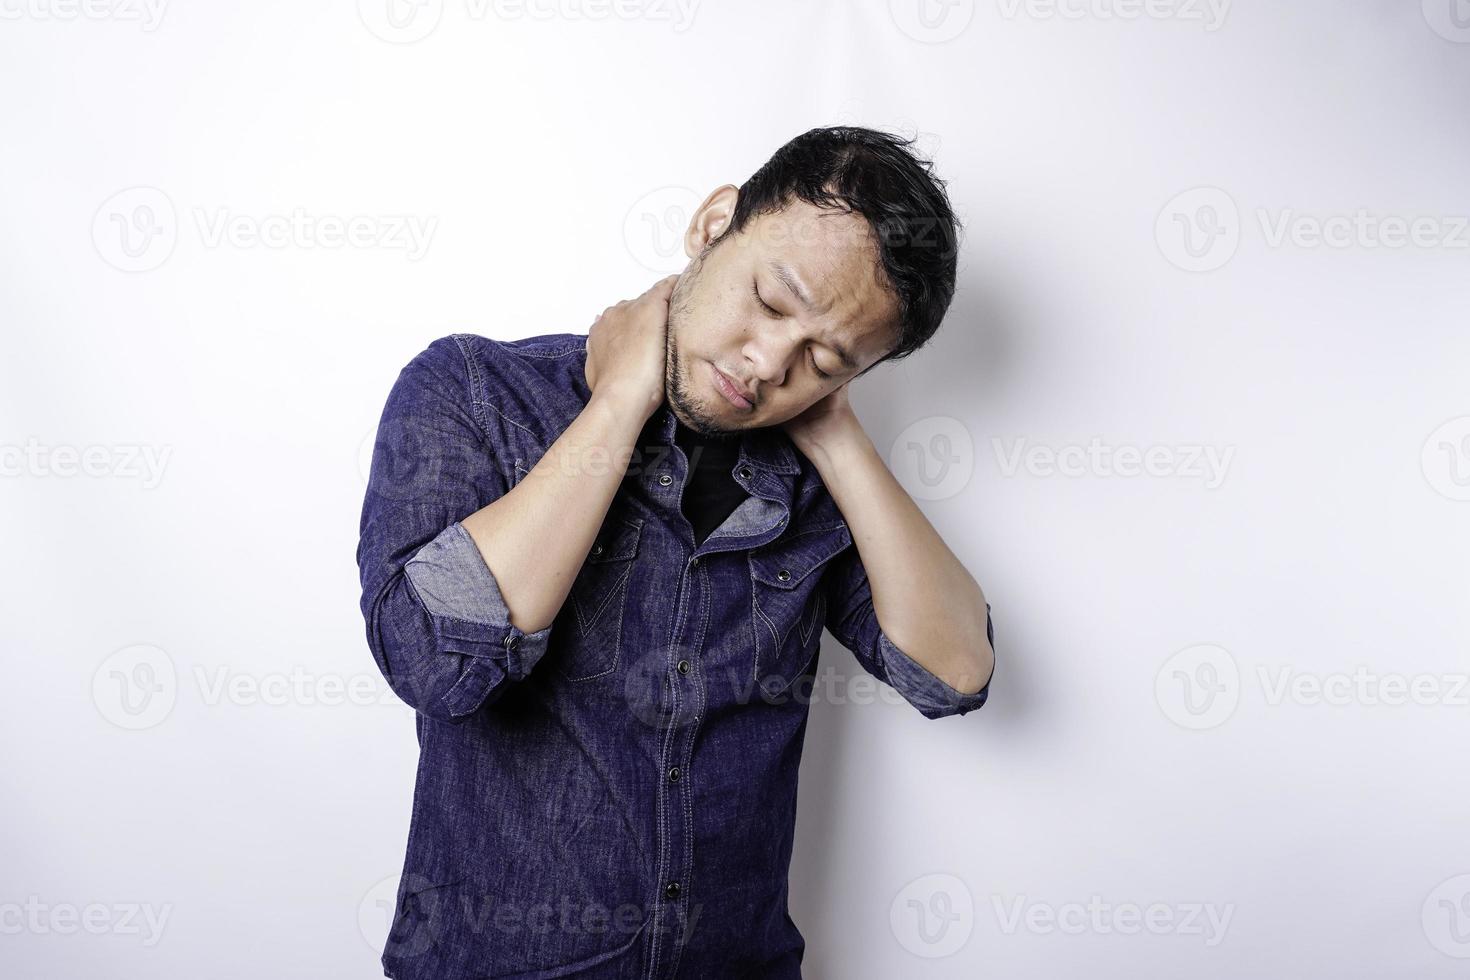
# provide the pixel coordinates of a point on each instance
(824, 425)
(627, 344)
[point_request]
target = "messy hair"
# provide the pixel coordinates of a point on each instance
(877, 175)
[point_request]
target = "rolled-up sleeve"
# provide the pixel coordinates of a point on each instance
(437, 622)
(851, 619)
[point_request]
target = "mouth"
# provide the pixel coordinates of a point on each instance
(731, 391)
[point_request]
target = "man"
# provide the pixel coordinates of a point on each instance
(599, 567)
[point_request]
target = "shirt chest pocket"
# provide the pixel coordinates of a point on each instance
(587, 637)
(788, 604)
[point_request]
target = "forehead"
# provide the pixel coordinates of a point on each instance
(834, 257)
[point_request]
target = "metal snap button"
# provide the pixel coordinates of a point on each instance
(683, 666)
(783, 575)
(596, 550)
(745, 472)
(665, 480)
(671, 890)
(674, 775)
(694, 562)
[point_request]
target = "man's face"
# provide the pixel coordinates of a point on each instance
(718, 325)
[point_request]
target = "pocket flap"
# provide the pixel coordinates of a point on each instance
(618, 541)
(783, 564)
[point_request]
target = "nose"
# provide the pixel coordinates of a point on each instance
(769, 352)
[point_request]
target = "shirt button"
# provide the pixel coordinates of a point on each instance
(664, 480)
(674, 775)
(671, 890)
(745, 472)
(510, 641)
(683, 666)
(783, 575)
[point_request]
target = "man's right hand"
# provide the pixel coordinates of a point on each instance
(626, 347)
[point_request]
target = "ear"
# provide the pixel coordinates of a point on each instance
(711, 220)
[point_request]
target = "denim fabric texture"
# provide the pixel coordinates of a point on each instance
(613, 796)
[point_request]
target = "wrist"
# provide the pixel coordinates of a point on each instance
(624, 401)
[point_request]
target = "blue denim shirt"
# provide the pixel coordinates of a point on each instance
(613, 796)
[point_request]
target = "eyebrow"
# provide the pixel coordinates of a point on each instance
(789, 280)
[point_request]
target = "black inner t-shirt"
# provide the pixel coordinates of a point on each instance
(710, 491)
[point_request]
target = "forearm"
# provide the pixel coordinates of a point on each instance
(535, 537)
(925, 600)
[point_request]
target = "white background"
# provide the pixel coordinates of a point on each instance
(1139, 748)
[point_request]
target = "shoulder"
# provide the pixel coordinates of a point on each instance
(537, 383)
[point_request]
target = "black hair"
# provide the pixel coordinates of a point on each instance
(877, 175)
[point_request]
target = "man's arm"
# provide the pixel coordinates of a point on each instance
(930, 612)
(462, 573)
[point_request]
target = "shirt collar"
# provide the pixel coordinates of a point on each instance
(768, 447)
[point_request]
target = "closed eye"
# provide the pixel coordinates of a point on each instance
(755, 291)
